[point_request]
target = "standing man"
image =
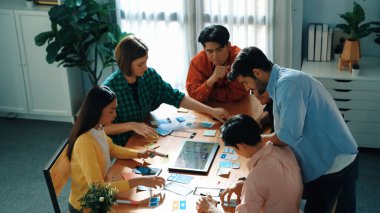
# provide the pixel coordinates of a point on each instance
(207, 76)
(307, 119)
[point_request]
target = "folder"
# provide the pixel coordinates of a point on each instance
(310, 50)
(318, 42)
(325, 33)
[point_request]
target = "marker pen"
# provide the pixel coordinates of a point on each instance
(130, 202)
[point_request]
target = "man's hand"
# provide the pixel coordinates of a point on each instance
(207, 204)
(220, 114)
(219, 73)
(231, 190)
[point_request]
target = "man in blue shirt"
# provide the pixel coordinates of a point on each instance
(307, 119)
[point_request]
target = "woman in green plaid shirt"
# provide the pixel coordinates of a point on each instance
(140, 90)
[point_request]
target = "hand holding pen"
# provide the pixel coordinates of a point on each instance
(150, 153)
(158, 153)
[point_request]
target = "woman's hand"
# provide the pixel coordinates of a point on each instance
(146, 154)
(144, 130)
(237, 188)
(207, 204)
(151, 181)
(220, 114)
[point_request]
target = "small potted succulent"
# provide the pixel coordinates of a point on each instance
(99, 198)
(355, 69)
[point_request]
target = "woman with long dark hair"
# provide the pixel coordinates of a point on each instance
(89, 149)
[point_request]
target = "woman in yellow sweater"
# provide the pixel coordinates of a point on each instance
(89, 149)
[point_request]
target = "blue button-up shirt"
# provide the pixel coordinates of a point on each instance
(308, 120)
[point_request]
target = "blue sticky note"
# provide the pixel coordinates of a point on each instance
(225, 164)
(207, 124)
(162, 132)
(163, 121)
(153, 202)
(180, 119)
(182, 205)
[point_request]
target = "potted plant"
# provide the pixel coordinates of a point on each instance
(355, 69)
(100, 197)
(354, 27)
(82, 35)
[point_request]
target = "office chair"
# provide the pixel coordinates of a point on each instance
(57, 174)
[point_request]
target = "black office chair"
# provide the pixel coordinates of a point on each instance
(57, 174)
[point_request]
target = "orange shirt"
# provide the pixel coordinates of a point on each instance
(201, 69)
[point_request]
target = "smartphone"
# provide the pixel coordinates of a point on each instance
(143, 170)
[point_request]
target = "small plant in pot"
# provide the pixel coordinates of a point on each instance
(99, 198)
(355, 69)
(356, 66)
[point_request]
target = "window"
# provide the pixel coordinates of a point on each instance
(170, 28)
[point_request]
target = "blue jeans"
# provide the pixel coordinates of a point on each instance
(321, 193)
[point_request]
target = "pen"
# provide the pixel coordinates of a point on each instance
(131, 202)
(161, 154)
(156, 147)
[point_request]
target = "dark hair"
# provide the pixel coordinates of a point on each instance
(241, 129)
(95, 101)
(214, 33)
(129, 49)
(248, 59)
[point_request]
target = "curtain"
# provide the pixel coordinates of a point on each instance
(287, 33)
(170, 28)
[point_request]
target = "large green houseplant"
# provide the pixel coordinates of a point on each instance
(82, 35)
(354, 26)
(356, 29)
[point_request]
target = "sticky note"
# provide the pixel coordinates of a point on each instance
(209, 133)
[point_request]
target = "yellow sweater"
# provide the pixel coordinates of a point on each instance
(88, 164)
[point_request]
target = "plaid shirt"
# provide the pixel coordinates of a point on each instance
(152, 91)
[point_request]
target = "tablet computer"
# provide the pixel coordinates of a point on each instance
(195, 156)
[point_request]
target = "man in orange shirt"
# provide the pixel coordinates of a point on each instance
(206, 79)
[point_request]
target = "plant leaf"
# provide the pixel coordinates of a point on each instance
(52, 51)
(41, 38)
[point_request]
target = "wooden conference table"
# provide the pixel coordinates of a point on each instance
(171, 145)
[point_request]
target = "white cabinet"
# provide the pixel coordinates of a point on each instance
(28, 84)
(12, 89)
(358, 98)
